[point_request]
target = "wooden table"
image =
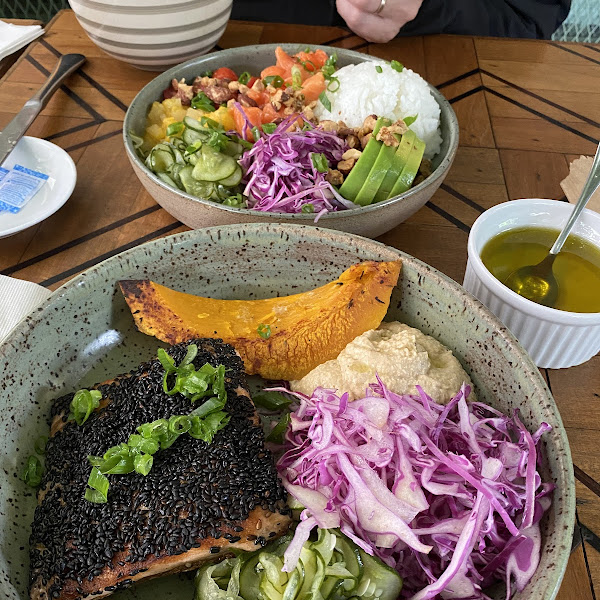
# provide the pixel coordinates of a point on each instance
(525, 108)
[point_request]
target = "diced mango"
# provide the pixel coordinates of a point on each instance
(156, 114)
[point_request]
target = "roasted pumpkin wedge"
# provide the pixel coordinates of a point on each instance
(278, 338)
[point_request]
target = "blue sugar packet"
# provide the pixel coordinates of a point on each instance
(3, 172)
(18, 186)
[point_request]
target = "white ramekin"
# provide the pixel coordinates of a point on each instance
(555, 339)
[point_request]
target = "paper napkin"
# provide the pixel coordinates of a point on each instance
(14, 37)
(17, 299)
(573, 183)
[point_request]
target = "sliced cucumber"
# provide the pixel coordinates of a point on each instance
(164, 177)
(192, 123)
(250, 580)
(292, 588)
(233, 149)
(201, 189)
(191, 136)
(384, 582)
(233, 179)
(213, 166)
(160, 158)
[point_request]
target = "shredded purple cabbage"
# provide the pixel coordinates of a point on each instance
(280, 175)
(450, 496)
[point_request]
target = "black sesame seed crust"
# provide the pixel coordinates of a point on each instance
(199, 498)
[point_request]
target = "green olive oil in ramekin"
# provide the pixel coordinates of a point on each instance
(576, 267)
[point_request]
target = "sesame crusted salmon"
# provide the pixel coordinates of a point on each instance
(198, 501)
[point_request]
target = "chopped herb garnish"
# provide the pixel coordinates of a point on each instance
(379, 69)
(202, 102)
(329, 67)
(275, 80)
(193, 148)
(191, 383)
(206, 74)
(410, 120)
(211, 123)
(255, 133)
(272, 400)
(244, 78)
(40, 445)
(333, 85)
(277, 433)
(296, 77)
(325, 101)
(319, 161)
(32, 474)
(307, 208)
(202, 423)
(397, 66)
(235, 201)
(82, 405)
(175, 128)
(269, 127)
(264, 331)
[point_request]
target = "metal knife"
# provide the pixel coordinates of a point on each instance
(15, 130)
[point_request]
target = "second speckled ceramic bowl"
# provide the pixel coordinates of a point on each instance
(85, 334)
(371, 221)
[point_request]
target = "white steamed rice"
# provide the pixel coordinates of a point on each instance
(363, 92)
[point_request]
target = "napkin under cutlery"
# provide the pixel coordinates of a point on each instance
(17, 299)
(14, 37)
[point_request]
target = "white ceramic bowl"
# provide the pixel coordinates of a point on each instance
(47, 158)
(555, 339)
(153, 34)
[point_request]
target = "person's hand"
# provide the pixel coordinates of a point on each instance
(362, 17)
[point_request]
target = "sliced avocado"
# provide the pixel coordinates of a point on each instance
(353, 183)
(411, 167)
(380, 168)
(400, 158)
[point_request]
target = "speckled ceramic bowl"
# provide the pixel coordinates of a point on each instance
(370, 221)
(85, 334)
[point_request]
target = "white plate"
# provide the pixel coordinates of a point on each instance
(47, 158)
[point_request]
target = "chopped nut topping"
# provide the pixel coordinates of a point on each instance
(345, 166)
(258, 86)
(351, 154)
(364, 140)
(353, 141)
(329, 125)
(334, 177)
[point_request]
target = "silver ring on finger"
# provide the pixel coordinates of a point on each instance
(381, 7)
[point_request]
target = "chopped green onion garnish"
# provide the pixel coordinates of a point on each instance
(333, 85)
(97, 490)
(410, 120)
(211, 123)
(307, 49)
(32, 474)
(320, 162)
(202, 102)
(272, 400)
(142, 463)
(244, 78)
(206, 74)
(296, 77)
(202, 423)
(379, 69)
(275, 80)
(277, 433)
(175, 128)
(325, 101)
(193, 148)
(397, 66)
(255, 133)
(82, 405)
(269, 127)
(236, 201)
(307, 208)
(264, 331)
(329, 67)
(191, 382)
(40, 445)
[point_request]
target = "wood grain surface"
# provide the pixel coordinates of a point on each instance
(525, 109)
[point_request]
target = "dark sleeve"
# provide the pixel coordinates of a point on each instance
(502, 18)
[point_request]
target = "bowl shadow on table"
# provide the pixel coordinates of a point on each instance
(98, 340)
(370, 221)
